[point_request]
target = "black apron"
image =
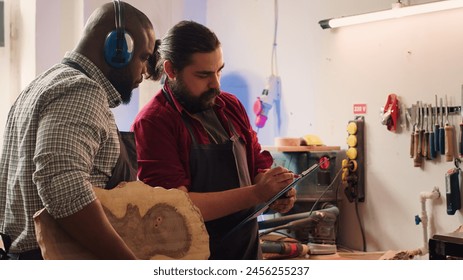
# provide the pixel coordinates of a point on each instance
(126, 165)
(214, 168)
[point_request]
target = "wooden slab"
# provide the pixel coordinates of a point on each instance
(154, 222)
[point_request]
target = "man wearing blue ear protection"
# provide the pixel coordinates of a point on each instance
(61, 138)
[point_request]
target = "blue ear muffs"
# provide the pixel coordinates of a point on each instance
(118, 49)
(118, 46)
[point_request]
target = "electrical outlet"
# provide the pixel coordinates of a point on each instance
(353, 167)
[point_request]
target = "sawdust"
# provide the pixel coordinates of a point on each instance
(401, 255)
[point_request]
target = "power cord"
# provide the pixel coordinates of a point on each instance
(364, 242)
(274, 66)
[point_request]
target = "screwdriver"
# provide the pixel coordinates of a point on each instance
(417, 140)
(436, 130)
(425, 137)
(432, 147)
(449, 135)
(441, 130)
(414, 124)
(421, 139)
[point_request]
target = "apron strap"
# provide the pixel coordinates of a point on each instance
(74, 65)
(185, 119)
(126, 166)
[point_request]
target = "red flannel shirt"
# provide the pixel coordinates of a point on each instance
(164, 142)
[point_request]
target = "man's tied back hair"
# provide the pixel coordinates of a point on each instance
(179, 44)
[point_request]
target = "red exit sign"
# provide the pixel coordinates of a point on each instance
(360, 109)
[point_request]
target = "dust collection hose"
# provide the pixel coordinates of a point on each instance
(283, 222)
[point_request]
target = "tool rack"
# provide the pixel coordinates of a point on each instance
(452, 110)
(432, 131)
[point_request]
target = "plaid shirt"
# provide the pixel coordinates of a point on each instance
(60, 140)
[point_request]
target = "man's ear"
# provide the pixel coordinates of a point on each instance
(169, 69)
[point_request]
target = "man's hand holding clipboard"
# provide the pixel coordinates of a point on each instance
(272, 181)
(285, 202)
(288, 190)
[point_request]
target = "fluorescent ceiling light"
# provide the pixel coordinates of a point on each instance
(396, 12)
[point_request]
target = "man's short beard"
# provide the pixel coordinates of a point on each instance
(125, 92)
(189, 102)
(123, 86)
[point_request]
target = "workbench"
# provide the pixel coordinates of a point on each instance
(348, 255)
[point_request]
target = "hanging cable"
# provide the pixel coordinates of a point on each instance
(364, 242)
(274, 66)
(271, 93)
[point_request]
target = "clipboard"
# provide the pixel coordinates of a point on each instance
(261, 208)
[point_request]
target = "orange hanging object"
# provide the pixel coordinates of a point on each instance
(391, 112)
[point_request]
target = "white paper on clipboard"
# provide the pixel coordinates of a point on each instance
(261, 208)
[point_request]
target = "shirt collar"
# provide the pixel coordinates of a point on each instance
(113, 96)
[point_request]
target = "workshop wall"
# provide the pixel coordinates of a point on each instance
(4, 72)
(323, 73)
(11, 77)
